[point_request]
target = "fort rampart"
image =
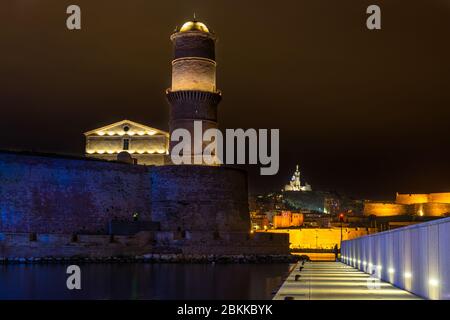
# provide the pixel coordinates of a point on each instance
(68, 206)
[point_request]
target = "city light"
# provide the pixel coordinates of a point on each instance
(129, 133)
(407, 275)
(160, 151)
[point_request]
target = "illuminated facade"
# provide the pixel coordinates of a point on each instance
(148, 146)
(428, 205)
(193, 95)
(322, 238)
(443, 197)
(287, 219)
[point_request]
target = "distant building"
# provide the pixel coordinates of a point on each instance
(259, 221)
(287, 219)
(148, 146)
(332, 205)
(422, 205)
(295, 183)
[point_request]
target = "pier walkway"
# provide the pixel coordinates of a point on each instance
(336, 281)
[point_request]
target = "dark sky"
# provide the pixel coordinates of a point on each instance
(363, 112)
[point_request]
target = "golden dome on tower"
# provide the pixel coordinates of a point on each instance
(194, 26)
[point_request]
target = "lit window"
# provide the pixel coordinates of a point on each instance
(126, 144)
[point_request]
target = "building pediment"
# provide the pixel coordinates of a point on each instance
(126, 128)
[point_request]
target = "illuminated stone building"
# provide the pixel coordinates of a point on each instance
(421, 205)
(288, 219)
(193, 95)
(148, 146)
(186, 209)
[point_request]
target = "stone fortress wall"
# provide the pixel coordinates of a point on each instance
(64, 206)
(430, 205)
(200, 198)
(60, 195)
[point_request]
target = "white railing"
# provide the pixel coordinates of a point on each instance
(415, 258)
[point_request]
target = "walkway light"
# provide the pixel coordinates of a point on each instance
(434, 282)
(391, 270)
(408, 275)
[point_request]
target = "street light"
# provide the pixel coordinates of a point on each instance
(341, 219)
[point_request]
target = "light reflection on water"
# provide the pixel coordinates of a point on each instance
(144, 281)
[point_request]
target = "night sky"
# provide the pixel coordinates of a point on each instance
(363, 112)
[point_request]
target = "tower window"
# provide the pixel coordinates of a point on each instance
(126, 144)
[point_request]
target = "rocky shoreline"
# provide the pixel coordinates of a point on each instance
(157, 258)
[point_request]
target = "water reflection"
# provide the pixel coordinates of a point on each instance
(143, 281)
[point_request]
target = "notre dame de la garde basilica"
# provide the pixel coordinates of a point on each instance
(125, 198)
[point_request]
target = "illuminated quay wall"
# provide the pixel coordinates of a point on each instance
(415, 258)
(321, 238)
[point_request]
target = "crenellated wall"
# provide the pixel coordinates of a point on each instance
(411, 198)
(443, 197)
(408, 206)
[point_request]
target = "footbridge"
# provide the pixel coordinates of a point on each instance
(407, 263)
(414, 258)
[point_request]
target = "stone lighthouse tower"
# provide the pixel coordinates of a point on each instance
(193, 96)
